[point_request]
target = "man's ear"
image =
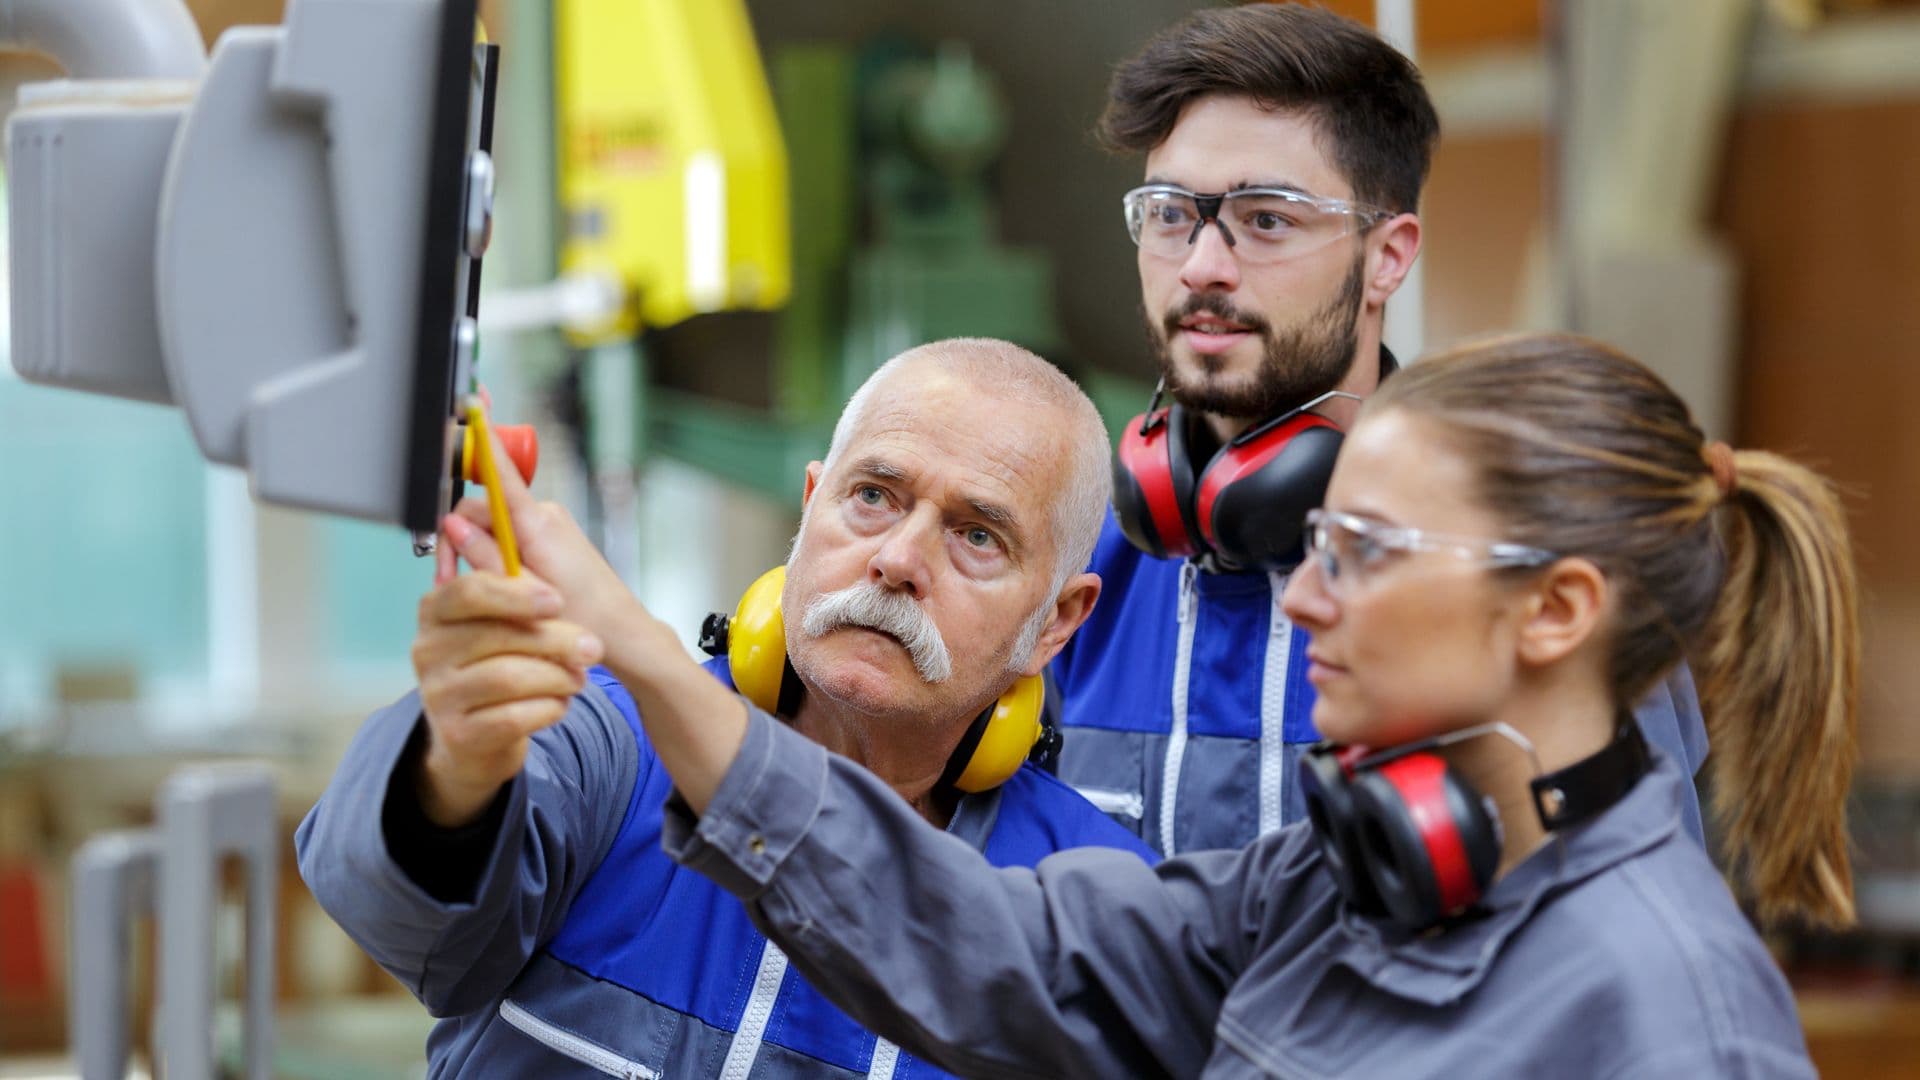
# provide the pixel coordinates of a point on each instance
(1390, 254)
(814, 469)
(1564, 611)
(1070, 609)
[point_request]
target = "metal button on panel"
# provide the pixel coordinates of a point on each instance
(479, 203)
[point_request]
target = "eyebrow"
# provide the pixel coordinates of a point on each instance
(1376, 517)
(880, 470)
(995, 513)
(1243, 185)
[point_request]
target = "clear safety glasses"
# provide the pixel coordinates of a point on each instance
(1350, 549)
(1262, 225)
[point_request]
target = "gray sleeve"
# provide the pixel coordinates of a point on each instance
(1726, 1060)
(1091, 964)
(562, 813)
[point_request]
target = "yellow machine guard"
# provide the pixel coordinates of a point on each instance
(672, 176)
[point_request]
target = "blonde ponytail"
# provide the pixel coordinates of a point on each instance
(1778, 669)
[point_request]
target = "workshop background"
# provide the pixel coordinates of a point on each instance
(1729, 189)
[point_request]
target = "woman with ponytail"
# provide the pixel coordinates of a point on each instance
(1736, 560)
(1521, 536)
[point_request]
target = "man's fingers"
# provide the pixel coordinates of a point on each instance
(519, 499)
(496, 680)
(488, 745)
(446, 564)
(519, 718)
(562, 643)
(473, 508)
(530, 515)
(486, 595)
(474, 544)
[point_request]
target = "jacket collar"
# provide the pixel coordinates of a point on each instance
(1445, 964)
(976, 815)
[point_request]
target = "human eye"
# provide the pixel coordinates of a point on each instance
(1268, 221)
(1369, 551)
(1362, 547)
(1169, 212)
(870, 495)
(979, 549)
(1268, 217)
(978, 537)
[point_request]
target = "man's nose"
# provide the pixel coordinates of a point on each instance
(903, 559)
(1210, 263)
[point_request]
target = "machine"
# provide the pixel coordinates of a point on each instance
(286, 246)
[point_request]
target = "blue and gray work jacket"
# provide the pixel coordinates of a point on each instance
(1185, 704)
(583, 950)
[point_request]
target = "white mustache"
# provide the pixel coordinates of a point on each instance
(869, 605)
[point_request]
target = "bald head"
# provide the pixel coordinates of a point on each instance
(1082, 484)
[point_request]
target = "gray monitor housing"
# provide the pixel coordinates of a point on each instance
(286, 249)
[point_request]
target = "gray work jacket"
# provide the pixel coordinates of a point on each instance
(1615, 951)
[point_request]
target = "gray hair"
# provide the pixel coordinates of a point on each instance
(1010, 373)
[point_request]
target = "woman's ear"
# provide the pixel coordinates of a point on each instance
(1564, 610)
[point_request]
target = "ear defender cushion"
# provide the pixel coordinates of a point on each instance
(1148, 490)
(1432, 846)
(1184, 467)
(1328, 790)
(1253, 498)
(757, 641)
(1007, 731)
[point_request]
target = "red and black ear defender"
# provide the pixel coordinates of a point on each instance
(754, 641)
(1404, 837)
(1407, 838)
(1246, 504)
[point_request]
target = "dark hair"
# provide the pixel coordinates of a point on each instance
(1366, 98)
(1748, 573)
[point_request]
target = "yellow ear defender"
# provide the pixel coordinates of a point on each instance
(754, 641)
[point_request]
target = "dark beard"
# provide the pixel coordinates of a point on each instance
(1309, 359)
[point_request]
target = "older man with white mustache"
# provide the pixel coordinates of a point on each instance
(493, 841)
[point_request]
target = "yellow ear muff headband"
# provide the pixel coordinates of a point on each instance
(754, 641)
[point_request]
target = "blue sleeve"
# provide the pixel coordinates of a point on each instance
(562, 812)
(1670, 718)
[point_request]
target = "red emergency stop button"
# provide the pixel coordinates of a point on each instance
(522, 443)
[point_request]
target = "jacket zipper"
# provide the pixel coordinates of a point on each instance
(1273, 701)
(1177, 738)
(753, 1023)
(745, 1048)
(567, 1044)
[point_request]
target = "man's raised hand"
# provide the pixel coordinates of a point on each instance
(495, 665)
